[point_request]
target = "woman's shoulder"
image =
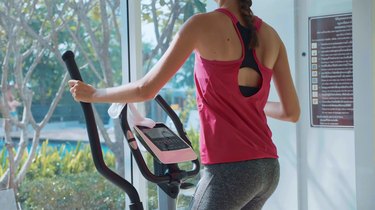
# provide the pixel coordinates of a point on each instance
(270, 44)
(268, 32)
(195, 21)
(200, 22)
(209, 21)
(265, 27)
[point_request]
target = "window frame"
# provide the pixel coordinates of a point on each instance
(131, 61)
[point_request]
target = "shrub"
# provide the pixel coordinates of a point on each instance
(60, 179)
(3, 161)
(76, 191)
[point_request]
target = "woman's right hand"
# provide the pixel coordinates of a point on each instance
(81, 91)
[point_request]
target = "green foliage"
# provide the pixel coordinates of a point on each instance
(193, 6)
(4, 163)
(51, 161)
(189, 104)
(193, 136)
(183, 201)
(61, 179)
(85, 190)
(200, 6)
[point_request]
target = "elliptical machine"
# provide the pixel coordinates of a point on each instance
(160, 141)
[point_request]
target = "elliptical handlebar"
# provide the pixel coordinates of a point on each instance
(96, 149)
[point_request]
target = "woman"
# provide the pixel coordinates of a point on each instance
(236, 56)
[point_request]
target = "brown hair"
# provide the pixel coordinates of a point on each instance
(248, 16)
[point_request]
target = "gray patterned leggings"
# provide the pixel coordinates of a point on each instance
(233, 186)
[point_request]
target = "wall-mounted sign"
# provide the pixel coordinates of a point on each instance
(331, 71)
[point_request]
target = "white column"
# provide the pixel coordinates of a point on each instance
(131, 48)
(364, 105)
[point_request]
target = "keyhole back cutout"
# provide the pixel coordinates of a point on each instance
(249, 81)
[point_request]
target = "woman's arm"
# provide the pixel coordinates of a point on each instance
(147, 87)
(288, 108)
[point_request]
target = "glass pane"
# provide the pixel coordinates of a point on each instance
(160, 21)
(43, 135)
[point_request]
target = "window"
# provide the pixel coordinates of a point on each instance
(43, 134)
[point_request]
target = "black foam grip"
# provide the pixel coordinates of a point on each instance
(68, 58)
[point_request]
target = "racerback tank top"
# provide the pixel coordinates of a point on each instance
(232, 127)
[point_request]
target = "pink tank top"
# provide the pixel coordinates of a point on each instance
(232, 127)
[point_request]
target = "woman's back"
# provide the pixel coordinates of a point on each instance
(218, 40)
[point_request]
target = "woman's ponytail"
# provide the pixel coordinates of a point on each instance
(248, 16)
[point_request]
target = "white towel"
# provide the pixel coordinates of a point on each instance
(134, 117)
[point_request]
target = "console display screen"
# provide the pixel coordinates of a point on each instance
(158, 132)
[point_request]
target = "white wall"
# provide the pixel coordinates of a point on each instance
(326, 156)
